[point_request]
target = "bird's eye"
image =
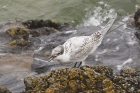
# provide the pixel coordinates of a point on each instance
(58, 53)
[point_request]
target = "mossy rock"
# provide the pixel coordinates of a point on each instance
(17, 32)
(4, 90)
(96, 79)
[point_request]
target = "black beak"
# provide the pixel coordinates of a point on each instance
(51, 58)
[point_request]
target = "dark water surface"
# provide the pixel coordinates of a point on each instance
(119, 48)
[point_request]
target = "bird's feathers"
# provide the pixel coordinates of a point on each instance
(78, 48)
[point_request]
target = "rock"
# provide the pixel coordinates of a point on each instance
(137, 17)
(42, 31)
(96, 79)
(129, 80)
(135, 20)
(33, 24)
(4, 90)
(137, 34)
(17, 33)
(34, 28)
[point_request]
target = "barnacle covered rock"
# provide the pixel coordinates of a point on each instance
(4, 90)
(74, 80)
(129, 80)
(35, 84)
(108, 72)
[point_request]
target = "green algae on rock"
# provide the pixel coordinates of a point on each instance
(17, 32)
(4, 90)
(129, 80)
(35, 28)
(20, 43)
(96, 79)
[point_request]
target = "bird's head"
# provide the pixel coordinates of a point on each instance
(56, 52)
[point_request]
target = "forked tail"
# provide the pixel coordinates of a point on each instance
(106, 28)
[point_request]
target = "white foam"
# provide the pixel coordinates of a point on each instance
(4, 6)
(107, 40)
(116, 49)
(99, 14)
(92, 21)
(40, 48)
(2, 54)
(70, 32)
(125, 26)
(115, 40)
(104, 51)
(132, 43)
(101, 2)
(38, 59)
(125, 19)
(119, 67)
(96, 57)
(136, 7)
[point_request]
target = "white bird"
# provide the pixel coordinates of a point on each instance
(77, 49)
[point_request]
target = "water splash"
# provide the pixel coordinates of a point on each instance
(119, 67)
(99, 14)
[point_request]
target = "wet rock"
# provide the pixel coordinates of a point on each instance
(129, 80)
(4, 26)
(17, 33)
(137, 34)
(137, 18)
(33, 24)
(20, 43)
(32, 28)
(97, 79)
(20, 36)
(4, 90)
(42, 31)
(35, 84)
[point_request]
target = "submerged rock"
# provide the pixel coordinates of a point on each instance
(4, 90)
(96, 79)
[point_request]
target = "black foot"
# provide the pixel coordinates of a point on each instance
(78, 65)
(75, 65)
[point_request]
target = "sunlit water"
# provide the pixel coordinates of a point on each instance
(119, 48)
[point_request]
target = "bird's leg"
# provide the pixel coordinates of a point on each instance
(75, 65)
(79, 64)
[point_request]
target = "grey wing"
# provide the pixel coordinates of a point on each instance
(78, 47)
